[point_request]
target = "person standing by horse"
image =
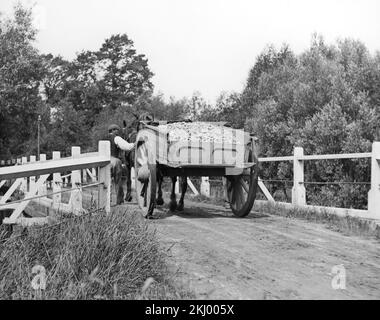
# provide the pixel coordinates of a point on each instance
(129, 134)
(118, 145)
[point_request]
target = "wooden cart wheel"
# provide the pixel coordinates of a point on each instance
(145, 188)
(241, 189)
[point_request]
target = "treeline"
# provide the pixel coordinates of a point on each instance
(76, 100)
(326, 99)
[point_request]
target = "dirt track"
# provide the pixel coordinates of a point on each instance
(265, 257)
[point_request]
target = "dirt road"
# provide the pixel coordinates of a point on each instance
(266, 257)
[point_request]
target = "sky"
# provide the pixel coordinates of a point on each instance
(207, 46)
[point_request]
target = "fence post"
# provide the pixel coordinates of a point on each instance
(32, 180)
(192, 187)
(84, 175)
(374, 192)
(24, 184)
(205, 187)
(76, 195)
(43, 189)
(105, 177)
(57, 181)
(298, 191)
(94, 173)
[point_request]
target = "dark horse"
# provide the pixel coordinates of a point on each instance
(130, 133)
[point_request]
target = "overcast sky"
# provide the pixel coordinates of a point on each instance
(201, 45)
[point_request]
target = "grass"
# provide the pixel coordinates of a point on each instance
(114, 256)
(348, 224)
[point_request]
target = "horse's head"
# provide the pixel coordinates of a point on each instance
(129, 132)
(144, 117)
(125, 131)
(135, 126)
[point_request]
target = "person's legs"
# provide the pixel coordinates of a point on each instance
(117, 174)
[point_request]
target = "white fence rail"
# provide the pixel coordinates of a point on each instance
(37, 172)
(86, 162)
(299, 191)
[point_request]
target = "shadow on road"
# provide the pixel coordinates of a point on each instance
(193, 211)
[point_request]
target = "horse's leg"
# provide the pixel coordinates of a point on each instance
(225, 192)
(128, 196)
(173, 202)
(117, 173)
(160, 178)
(286, 195)
(183, 183)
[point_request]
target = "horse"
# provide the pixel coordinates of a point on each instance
(130, 133)
(173, 203)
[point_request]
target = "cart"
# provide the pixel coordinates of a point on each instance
(194, 151)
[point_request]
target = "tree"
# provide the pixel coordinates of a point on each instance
(21, 72)
(266, 62)
(55, 79)
(197, 107)
(124, 75)
(68, 129)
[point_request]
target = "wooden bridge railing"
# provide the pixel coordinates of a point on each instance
(86, 161)
(299, 191)
(36, 188)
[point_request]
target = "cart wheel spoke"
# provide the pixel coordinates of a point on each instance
(239, 197)
(244, 184)
(232, 197)
(232, 193)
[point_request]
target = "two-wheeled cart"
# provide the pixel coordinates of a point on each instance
(183, 148)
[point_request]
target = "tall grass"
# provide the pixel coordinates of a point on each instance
(90, 257)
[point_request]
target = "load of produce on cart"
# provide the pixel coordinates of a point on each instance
(200, 143)
(205, 131)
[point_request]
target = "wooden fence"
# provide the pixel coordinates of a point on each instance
(98, 159)
(30, 177)
(299, 192)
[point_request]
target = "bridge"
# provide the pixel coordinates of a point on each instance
(92, 171)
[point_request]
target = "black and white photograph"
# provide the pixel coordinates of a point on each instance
(187, 155)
